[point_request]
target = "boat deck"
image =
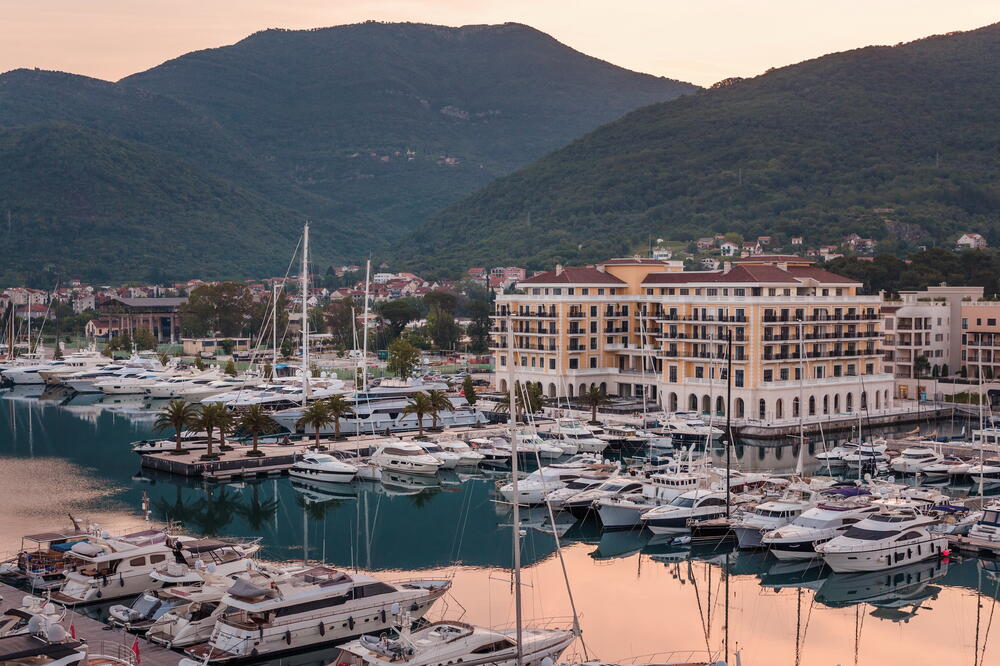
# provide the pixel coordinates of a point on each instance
(102, 638)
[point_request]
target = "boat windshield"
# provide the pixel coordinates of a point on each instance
(811, 523)
(685, 502)
(862, 534)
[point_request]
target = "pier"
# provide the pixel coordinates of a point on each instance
(102, 639)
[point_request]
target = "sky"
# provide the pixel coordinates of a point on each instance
(700, 41)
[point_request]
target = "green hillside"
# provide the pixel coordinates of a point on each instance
(84, 204)
(901, 143)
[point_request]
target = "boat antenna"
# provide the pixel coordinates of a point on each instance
(516, 517)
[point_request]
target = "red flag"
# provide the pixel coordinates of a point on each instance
(135, 651)
(72, 631)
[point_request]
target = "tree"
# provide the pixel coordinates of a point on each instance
(479, 327)
(268, 370)
(419, 404)
(404, 358)
(442, 300)
(225, 426)
(921, 365)
(594, 398)
(143, 339)
(527, 399)
(340, 321)
(442, 329)
(179, 415)
(944, 370)
(228, 345)
(230, 368)
(286, 348)
(255, 421)
(224, 309)
(198, 363)
(338, 407)
(316, 416)
(398, 314)
(469, 390)
(439, 402)
(164, 358)
(209, 420)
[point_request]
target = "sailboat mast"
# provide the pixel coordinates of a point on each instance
(364, 343)
(729, 406)
(982, 434)
(305, 313)
(516, 517)
(274, 328)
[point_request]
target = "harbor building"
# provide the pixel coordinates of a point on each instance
(160, 316)
(803, 338)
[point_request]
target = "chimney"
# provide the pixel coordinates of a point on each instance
(559, 269)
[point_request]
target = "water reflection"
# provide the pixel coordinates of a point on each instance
(638, 594)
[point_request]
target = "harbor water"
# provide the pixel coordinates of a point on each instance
(636, 594)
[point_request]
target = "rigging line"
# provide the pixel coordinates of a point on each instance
(989, 623)
(701, 612)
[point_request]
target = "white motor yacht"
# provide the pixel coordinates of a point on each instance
(191, 440)
(690, 427)
(467, 456)
(531, 445)
(150, 606)
(533, 488)
(406, 457)
(835, 456)
(574, 432)
(324, 467)
(495, 450)
(448, 459)
(15, 620)
(799, 538)
(700, 504)
(883, 541)
(450, 642)
(267, 614)
(80, 361)
(584, 503)
(942, 469)
(129, 384)
(625, 511)
(869, 453)
(768, 516)
(590, 481)
(987, 473)
(987, 528)
(913, 460)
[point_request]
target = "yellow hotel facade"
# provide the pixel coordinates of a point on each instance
(642, 327)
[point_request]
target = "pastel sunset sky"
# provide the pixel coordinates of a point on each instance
(701, 41)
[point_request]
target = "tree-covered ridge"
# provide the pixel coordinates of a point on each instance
(933, 267)
(898, 143)
(365, 129)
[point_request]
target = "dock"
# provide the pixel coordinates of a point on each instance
(276, 458)
(102, 638)
(973, 546)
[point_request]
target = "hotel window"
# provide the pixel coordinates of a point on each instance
(783, 374)
(557, 291)
(536, 291)
(585, 291)
(570, 291)
(574, 363)
(769, 375)
(503, 361)
(738, 377)
(798, 374)
(819, 372)
(600, 292)
(593, 361)
(593, 310)
(786, 292)
(662, 291)
(840, 292)
(524, 361)
(836, 371)
(672, 374)
(965, 322)
(671, 291)
(593, 343)
(712, 292)
(869, 368)
(684, 291)
(649, 292)
(740, 291)
(593, 326)
(613, 291)
(611, 340)
(772, 292)
(532, 361)
(624, 339)
(699, 372)
(991, 322)
(826, 292)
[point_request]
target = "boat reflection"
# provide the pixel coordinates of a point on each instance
(896, 594)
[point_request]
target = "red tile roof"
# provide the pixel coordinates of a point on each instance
(632, 261)
(573, 275)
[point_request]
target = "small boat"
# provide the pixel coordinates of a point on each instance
(406, 457)
(701, 504)
(987, 528)
(329, 467)
(799, 538)
(15, 621)
(913, 460)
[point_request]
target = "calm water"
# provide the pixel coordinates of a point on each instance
(636, 596)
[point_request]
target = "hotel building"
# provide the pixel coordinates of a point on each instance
(642, 327)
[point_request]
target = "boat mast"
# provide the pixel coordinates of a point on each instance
(305, 314)
(274, 328)
(364, 343)
(729, 429)
(982, 433)
(516, 517)
(802, 378)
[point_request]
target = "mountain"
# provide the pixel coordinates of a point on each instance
(85, 203)
(900, 143)
(365, 129)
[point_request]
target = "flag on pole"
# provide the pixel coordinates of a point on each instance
(135, 651)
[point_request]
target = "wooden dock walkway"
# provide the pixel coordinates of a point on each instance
(980, 547)
(102, 638)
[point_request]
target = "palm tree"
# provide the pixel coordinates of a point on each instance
(255, 421)
(419, 404)
(180, 416)
(439, 403)
(594, 398)
(209, 419)
(316, 416)
(226, 422)
(258, 512)
(339, 408)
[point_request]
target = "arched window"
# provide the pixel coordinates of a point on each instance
(570, 390)
(836, 403)
(850, 402)
(583, 390)
(720, 406)
(740, 411)
(812, 405)
(604, 387)
(672, 402)
(878, 400)
(762, 408)
(826, 404)
(503, 386)
(864, 400)
(706, 404)
(779, 409)
(795, 408)
(693, 403)
(552, 390)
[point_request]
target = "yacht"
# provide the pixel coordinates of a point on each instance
(622, 436)
(700, 504)
(147, 609)
(266, 613)
(987, 528)
(51, 645)
(870, 453)
(581, 504)
(883, 541)
(529, 444)
(41, 559)
(406, 457)
(495, 450)
(452, 642)
(105, 567)
(380, 409)
(625, 511)
(191, 440)
(835, 456)
(171, 387)
(15, 620)
(129, 384)
(557, 498)
(987, 473)
(942, 469)
(913, 460)
(533, 488)
(574, 432)
(467, 456)
(689, 427)
(324, 467)
(80, 361)
(799, 538)
(771, 515)
(448, 459)
(85, 381)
